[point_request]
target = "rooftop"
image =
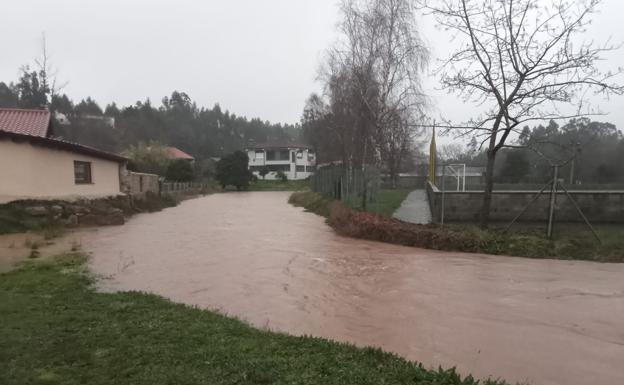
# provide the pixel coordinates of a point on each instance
(277, 144)
(176, 153)
(60, 144)
(25, 122)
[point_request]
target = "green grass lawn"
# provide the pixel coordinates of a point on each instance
(570, 241)
(278, 185)
(55, 329)
(385, 203)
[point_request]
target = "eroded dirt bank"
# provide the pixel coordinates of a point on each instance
(253, 256)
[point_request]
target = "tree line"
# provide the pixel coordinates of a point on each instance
(587, 152)
(177, 121)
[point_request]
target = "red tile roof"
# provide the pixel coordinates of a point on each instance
(25, 122)
(176, 153)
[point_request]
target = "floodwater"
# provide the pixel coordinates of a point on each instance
(253, 256)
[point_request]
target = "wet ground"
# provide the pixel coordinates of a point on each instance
(415, 208)
(253, 256)
(17, 248)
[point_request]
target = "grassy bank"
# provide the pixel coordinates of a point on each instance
(386, 202)
(571, 241)
(278, 185)
(57, 330)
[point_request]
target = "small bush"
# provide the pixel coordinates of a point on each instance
(180, 171)
(380, 228)
(232, 170)
(311, 201)
(153, 202)
(281, 176)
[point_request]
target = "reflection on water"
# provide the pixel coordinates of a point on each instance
(253, 256)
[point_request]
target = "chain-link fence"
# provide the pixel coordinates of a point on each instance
(357, 188)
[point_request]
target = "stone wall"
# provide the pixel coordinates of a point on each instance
(598, 206)
(36, 214)
(138, 185)
(24, 215)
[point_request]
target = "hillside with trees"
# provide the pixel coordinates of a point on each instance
(177, 121)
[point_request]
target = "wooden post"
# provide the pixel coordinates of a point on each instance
(553, 202)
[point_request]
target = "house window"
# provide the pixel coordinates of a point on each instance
(300, 168)
(270, 155)
(283, 155)
(82, 172)
(259, 155)
(310, 168)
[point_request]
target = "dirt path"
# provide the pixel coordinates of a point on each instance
(253, 256)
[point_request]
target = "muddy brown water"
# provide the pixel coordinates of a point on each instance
(253, 256)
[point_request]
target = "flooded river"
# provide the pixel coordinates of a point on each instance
(253, 256)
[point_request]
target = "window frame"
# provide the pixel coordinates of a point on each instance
(88, 178)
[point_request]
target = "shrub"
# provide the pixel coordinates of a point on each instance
(281, 176)
(232, 171)
(180, 170)
(379, 228)
(263, 171)
(311, 201)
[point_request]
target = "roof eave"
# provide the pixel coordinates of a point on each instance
(63, 145)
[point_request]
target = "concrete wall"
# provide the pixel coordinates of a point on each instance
(35, 172)
(418, 181)
(598, 206)
(138, 183)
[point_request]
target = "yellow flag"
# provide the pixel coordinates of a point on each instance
(432, 158)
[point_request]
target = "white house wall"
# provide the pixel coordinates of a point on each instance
(36, 172)
(291, 173)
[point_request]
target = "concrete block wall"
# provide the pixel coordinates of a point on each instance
(598, 206)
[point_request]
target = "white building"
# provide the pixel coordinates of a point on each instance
(296, 161)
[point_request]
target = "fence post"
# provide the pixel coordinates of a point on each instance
(553, 201)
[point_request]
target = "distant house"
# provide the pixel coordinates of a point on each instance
(34, 165)
(175, 153)
(64, 120)
(296, 161)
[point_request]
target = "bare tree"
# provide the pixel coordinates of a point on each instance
(521, 60)
(372, 81)
(48, 74)
(452, 152)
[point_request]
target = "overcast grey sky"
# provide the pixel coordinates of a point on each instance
(255, 58)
